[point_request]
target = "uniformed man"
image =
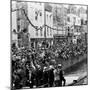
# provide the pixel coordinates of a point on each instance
(61, 76)
(51, 76)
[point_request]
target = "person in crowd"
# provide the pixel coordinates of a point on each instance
(31, 78)
(62, 81)
(56, 77)
(27, 75)
(51, 76)
(39, 74)
(45, 75)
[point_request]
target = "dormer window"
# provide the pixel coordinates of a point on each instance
(36, 15)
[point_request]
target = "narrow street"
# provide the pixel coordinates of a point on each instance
(47, 40)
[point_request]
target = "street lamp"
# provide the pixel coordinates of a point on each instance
(44, 25)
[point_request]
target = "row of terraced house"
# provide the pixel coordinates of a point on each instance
(51, 19)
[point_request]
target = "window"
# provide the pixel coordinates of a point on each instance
(74, 19)
(50, 17)
(68, 19)
(50, 31)
(47, 17)
(36, 15)
(36, 32)
(86, 22)
(40, 13)
(41, 31)
(82, 21)
(47, 31)
(14, 31)
(19, 35)
(18, 27)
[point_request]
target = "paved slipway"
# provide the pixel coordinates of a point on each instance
(77, 72)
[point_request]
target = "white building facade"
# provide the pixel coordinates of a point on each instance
(72, 22)
(39, 17)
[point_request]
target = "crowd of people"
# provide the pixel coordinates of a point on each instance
(39, 68)
(69, 51)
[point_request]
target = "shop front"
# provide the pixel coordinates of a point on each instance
(41, 42)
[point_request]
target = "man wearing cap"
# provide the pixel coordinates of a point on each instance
(61, 76)
(51, 76)
(45, 75)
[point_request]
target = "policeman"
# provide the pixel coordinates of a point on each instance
(45, 75)
(61, 76)
(51, 76)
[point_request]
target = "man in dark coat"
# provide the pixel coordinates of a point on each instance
(27, 75)
(61, 75)
(51, 76)
(45, 75)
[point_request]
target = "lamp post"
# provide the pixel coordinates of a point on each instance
(56, 19)
(44, 27)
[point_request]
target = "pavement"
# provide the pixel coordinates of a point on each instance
(77, 72)
(70, 78)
